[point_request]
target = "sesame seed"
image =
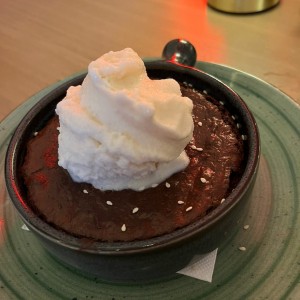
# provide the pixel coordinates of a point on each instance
(168, 185)
(196, 148)
(123, 228)
(200, 123)
(233, 117)
(203, 180)
(244, 137)
(154, 185)
(189, 208)
(85, 191)
(242, 248)
(221, 102)
(109, 202)
(35, 133)
(205, 92)
(135, 210)
(238, 125)
(222, 201)
(180, 202)
(246, 227)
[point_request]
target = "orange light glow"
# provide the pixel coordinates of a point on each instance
(2, 229)
(193, 25)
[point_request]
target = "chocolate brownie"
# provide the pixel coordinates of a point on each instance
(216, 163)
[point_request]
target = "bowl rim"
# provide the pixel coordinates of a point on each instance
(176, 237)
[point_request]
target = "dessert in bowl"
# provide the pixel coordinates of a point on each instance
(138, 229)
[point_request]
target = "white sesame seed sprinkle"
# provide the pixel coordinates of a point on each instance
(180, 202)
(200, 124)
(154, 185)
(85, 191)
(246, 227)
(223, 200)
(123, 228)
(205, 92)
(242, 248)
(189, 208)
(203, 180)
(233, 117)
(244, 137)
(238, 125)
(109, 203)
(36, 133)
(168, 185)
(221, 102)
(135, 210)
(196, 148)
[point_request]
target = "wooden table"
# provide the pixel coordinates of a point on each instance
(43, 41)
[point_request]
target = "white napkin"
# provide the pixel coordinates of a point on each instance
(24, 227)
(201, 266)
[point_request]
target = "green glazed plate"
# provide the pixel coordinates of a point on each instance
(269, 268)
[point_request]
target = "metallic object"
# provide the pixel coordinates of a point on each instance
(180, 51)
(242, 6)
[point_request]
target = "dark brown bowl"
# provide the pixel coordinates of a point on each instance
(153, 258)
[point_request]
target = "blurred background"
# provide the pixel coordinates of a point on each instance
(44, 41)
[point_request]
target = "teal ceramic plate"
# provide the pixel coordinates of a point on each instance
(269, 268)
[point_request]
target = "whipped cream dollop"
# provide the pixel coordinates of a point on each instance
(122, 130)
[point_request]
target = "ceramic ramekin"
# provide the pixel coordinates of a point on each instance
(153, 258)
